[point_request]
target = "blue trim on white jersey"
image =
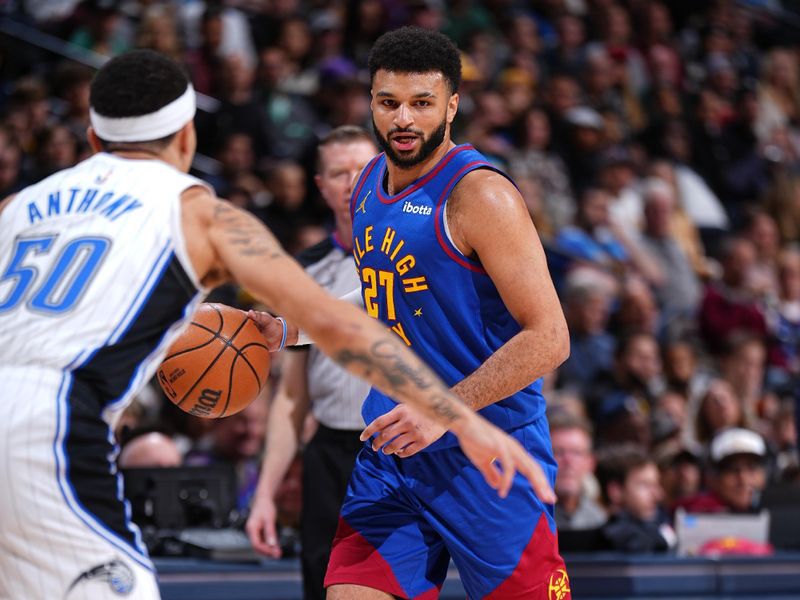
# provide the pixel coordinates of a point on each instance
(139, 300)
(62, 425)
(68, 493)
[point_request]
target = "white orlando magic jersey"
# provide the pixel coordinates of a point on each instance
(94, 273)
(95, 282)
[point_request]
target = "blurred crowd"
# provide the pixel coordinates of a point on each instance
(656, 145)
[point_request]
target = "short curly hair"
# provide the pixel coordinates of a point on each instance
(136, 83)
(416, 50)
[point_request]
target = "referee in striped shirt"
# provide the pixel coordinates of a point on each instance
(312, 382)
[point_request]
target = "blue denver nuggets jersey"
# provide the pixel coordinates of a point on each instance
(439, 302)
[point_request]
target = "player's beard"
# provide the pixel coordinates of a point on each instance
(426, 148)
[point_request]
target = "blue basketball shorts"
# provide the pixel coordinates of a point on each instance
(403, 519)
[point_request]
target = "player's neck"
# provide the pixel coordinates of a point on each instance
(141, 154)
(399, 179)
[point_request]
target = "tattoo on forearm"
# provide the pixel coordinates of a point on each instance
(246, 233)
(398, 374)
(443, 407)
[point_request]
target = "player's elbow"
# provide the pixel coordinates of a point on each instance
(561, 344)
(563, 350)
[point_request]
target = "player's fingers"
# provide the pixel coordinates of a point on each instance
(260, 319)
(409, 450)
(387, 436)
(507, 471)
(534, 473)
(262, 537)
(490, 473)
(399, 442)
(376, 425)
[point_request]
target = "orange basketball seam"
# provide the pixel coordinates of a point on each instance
(216, 334)
(193, 348)
(227, 344)
(239, 354)
(247, 360)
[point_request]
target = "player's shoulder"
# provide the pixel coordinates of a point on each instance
(485, 175)
(200, 199)
(485, 188)
(316, 253)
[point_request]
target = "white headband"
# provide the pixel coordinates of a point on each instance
(144, 128)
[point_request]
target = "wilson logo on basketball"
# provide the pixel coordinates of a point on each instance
(165, 385)
(206, 402)
(558, 588)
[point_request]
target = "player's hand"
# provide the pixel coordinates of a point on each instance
(498, 457)
(402, 431)
(260, 526)
(272, 330)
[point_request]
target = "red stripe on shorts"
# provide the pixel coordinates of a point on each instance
(540, 573)
(357, 562)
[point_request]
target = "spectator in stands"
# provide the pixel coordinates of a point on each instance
(239, 110)
(584, 141)
(236, 158)
(743, 365)
(682, 370)
(782, 443)
(101, 32)
(569, 55)
(289, 119)
(631, 486)
(694, 205)
(349, 103)
(782, 202)
(294, 38)
(679, 292)
(572, 449)
(587, 306)
(779, 92)
(617, 176)
(784, 323)
(621, 399)
(28, 112)
(158, 31)
(286, 183)
(204, 60)
(11, 177)
(490, 127)
(616, 37)
(760, 228)
(737, 474)
(638, 311)
(72, 85)
(719, 409)
(533, 158)
(237, 440)
(590, 240)
(149, 448)
(729, 305)
(680, 465)
(57, 149)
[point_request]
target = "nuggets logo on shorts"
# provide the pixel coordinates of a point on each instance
(117, 574)
(558, 588)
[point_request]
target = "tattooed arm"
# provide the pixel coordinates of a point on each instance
(230, 243)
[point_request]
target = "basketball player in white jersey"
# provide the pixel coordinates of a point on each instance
(100, 267)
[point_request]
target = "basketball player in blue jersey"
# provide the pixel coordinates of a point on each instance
(101, 265)
(450, 261)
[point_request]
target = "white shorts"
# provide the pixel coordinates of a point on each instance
(64, 528)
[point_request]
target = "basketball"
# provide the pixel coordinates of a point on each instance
(218, 365)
